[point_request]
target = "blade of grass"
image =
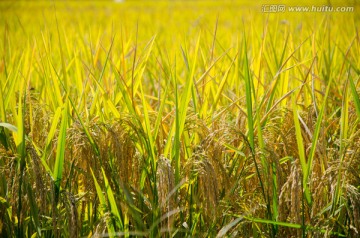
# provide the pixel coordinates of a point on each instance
(301, 150)
(248, 93)
(316, 133)
(34, 209)
(103, 206)
(177, 132)
(9, 126)
(10, 90)
(147, 128)
(279, 223)
(20, 146)
(250, 121)
(60, 152)
(161, 110)
(2, 105)
(344, 126)
(226, 228)
(49, 139)
(292, 225)
(62, 57)
(221, 86)
(113, 207)
(355, 95)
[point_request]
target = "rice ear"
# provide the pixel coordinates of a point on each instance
(165, 180)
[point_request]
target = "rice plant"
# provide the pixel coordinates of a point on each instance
(179, 119)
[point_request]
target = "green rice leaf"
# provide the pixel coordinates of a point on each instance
(103, 206)
(111, 198)
(60, 152)
(355, 95)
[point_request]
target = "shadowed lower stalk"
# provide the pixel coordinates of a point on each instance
(22, 152)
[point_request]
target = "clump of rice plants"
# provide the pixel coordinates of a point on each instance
(178, 119)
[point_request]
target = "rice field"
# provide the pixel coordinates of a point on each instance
(179, 119)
